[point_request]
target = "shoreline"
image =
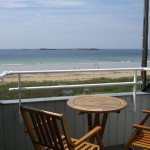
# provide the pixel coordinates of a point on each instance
(67, 66)
(69, 76)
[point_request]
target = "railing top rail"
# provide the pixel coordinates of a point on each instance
(6, 73)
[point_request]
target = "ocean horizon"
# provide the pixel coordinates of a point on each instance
(60, 59)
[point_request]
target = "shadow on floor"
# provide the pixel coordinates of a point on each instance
(118, 147)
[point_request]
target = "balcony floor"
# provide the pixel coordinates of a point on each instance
(118, 147)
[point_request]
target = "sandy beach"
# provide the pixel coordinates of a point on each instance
(68, 76)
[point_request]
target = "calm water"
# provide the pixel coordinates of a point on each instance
(34, 59)
(35, 56)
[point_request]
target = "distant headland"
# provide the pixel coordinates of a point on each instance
(47, 49)
(70, 49)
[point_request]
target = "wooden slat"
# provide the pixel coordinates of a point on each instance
(28, 143)
(58, 134)
(143, 140)
(141, 144)
(47, 132)
(87, 147)
(36, 128)
(43, 127)
(80, 146)
(51, 128)
(65, 131)
(41, 130)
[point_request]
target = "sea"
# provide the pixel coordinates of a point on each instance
(62, 59)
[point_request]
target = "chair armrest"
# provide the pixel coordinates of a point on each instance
(88, 135)
(141, 127)
(146, 111)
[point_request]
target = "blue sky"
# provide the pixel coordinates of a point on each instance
(71, 23)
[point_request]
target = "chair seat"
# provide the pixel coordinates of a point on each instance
(141, 136)
(143, 140)
(83, 146)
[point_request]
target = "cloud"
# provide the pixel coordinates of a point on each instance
(60, 3)
(40, 3)
(77, 22)
(12, 4)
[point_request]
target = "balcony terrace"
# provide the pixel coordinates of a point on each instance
(118, 128)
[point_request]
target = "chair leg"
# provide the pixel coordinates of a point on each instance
(99, 141)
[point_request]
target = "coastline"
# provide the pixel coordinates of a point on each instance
(69, 76)
(68, 66)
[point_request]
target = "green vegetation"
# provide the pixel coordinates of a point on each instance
(6, 94)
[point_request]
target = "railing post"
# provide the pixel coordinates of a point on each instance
(134, 91)
(145, 41)
(19, 116)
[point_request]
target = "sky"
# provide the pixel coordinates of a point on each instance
(71, 24)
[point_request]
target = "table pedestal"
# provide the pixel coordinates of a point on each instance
(93, 123)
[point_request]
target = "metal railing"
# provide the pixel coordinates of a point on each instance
(135, 82)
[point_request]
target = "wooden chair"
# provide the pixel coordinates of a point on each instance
(48, 131)
(141, 136)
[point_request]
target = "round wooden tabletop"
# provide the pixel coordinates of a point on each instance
(97, 104)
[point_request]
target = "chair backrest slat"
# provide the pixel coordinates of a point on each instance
(41, 129)
(35, 126)
(66, 133)
(58, 134)
(53, 132)
(46, 130)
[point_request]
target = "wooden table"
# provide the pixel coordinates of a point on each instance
(97, 105)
